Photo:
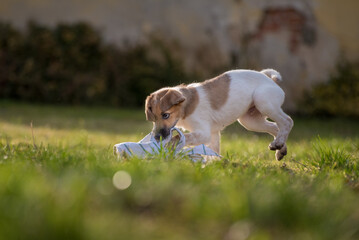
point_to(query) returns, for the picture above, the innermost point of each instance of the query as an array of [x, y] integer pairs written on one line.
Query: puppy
[[204, 109]]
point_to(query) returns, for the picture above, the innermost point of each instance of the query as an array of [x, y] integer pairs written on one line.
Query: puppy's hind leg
[[268, 101], [253, 120], [285, 124]]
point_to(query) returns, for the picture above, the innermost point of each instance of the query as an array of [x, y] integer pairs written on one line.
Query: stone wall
[[302, 39]]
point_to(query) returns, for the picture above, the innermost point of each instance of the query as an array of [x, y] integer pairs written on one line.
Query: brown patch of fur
[[152, 107], [217, 90], [171, 98], [192, 100], [150, 116]]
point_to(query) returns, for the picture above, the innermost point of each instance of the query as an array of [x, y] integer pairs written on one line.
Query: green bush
[[71, 64], [338, 97]]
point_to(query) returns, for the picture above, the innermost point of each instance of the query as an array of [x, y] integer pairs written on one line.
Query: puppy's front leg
[[192, 139], [197, 138]]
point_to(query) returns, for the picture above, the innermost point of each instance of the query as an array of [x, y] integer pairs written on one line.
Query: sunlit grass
[[60, 182]]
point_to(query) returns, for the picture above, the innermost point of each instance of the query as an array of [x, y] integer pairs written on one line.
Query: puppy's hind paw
[[279, 154], [275, 146]]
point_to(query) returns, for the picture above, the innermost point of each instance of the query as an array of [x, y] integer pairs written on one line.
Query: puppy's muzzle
[[163, 132]]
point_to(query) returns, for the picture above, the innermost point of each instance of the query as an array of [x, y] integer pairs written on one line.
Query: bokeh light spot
[[122, 180]]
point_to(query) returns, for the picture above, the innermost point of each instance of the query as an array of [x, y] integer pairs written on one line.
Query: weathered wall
[[303, 39]]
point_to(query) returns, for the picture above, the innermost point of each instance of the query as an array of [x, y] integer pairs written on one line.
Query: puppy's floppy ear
[[148, 110], [171, 98]]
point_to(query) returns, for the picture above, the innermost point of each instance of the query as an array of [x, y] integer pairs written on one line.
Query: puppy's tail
[[273, 74]]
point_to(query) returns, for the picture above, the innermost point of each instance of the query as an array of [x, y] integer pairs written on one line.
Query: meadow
[[57, 180]]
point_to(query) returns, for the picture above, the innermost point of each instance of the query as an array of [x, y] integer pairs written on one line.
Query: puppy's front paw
[[173, 142]]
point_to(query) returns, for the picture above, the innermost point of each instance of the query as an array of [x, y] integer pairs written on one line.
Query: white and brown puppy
[[206, 108]]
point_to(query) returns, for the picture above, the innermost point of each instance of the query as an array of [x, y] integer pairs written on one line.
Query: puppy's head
[[164, 109]]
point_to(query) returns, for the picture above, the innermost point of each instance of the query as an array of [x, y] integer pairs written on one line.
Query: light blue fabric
[[149, 145]]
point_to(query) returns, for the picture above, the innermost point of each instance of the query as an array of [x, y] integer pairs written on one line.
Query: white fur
[[253, 96]]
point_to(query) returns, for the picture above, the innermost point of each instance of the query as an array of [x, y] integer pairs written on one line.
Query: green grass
[[59, 185]]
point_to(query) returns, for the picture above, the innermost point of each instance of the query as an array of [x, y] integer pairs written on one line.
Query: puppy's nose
[[157, 136], [164, 133]]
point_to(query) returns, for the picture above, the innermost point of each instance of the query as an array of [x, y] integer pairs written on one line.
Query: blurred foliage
[[71, 64], [337, 97]]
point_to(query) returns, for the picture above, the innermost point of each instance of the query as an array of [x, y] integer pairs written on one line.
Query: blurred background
[[115, 52]]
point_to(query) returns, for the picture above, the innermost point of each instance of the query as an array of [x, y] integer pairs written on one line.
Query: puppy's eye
[[165, 115]]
